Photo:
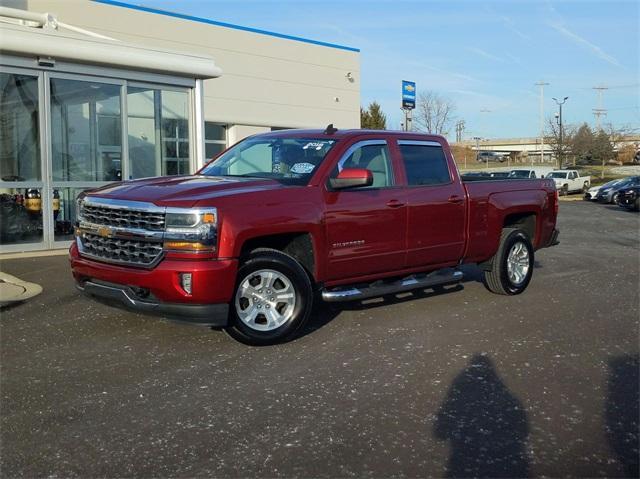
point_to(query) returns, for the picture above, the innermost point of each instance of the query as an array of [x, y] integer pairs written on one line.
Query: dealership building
[[92, 92]]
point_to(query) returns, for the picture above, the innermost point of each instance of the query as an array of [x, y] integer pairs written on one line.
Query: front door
[[366, 226]]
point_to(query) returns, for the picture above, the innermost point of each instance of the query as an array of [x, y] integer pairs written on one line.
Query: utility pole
[[484, 110], [459, 131], [561, 136], [541, 84], [598, 112]]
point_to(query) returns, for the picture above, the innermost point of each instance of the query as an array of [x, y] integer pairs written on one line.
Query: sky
[[480, 55]]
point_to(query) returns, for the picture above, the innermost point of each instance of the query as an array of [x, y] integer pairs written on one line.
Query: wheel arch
[[297, 244]]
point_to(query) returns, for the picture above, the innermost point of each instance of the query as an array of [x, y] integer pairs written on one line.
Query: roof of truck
[[349, 133]]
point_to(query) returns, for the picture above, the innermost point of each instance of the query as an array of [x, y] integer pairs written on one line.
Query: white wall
[[267, 81]]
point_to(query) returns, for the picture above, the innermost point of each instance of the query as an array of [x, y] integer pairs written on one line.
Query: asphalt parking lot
[[456, 383]]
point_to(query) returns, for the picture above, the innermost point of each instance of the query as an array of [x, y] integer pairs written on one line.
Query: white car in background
[[591, 193], [533, 172], [569, 181]]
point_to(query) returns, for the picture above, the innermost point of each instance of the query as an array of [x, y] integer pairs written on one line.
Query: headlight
[[191, 230], [79, 207]]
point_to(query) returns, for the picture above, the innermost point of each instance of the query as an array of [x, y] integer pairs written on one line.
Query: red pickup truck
[[283, 219]]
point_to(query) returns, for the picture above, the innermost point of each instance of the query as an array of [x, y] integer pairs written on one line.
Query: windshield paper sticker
[[303, 168], [316, 145]]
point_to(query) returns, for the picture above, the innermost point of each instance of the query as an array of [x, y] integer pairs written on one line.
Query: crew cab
[[570, 181], [284, 219]]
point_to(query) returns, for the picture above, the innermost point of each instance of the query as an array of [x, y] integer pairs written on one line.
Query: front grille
[[135, 253], [123, 218]]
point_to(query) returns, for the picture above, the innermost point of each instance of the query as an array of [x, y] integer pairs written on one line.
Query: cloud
[[512, 26], [595, 49], [485, 54]]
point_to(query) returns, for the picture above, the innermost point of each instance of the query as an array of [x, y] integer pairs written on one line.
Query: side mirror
[[352, 178]]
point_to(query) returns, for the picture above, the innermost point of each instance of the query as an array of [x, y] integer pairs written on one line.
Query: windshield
[[557, 174], [291, 161], [519, 174]]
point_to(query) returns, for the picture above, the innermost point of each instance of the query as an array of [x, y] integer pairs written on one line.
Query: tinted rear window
[[425, 165]]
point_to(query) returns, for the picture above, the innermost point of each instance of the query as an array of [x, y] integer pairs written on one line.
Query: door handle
[[395, 204], [455, 199]]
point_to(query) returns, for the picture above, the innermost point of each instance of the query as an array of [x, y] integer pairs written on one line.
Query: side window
[[425, 164], [574, 175], [375, 158]]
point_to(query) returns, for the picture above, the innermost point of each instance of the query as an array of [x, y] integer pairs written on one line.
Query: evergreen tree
[[582, 143], [373, 118]]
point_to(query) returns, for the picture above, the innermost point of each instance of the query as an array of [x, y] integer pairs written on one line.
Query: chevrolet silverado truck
[[284, 219], [570, 181]]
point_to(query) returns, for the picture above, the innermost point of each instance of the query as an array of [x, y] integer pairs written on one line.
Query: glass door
[[22, 220], [86, 125], [61, 134]]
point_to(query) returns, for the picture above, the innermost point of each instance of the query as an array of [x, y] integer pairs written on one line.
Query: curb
[[13, 290]]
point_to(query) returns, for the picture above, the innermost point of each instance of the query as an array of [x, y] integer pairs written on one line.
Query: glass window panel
[[375, 158], [19, 128], [86, 146], [171, 167], [213, 131], [20, 215], [212, 149], [64, 212], [170, 149], [425, 165], [183, 149], [158, 122], [109, 130]]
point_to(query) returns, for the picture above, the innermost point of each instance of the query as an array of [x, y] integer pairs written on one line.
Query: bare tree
[[434, 113], [560, 144]]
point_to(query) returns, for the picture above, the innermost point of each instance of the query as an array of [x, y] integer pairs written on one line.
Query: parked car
[[499, 174], [609, 192], [569, 181], [533, 172], [491, 156], [629, 197], [286, 217], [591, 193], [475, 174]]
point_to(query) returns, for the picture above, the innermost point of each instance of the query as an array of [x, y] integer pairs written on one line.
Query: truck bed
[[489, 198]]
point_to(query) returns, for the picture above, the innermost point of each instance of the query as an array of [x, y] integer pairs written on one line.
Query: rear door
[[436, 205], [366, 226]]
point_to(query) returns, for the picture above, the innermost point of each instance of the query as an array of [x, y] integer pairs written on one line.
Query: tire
[[585, 187], [500, 279], [256, 317], [564, 191], [637, 205], [614, 199]]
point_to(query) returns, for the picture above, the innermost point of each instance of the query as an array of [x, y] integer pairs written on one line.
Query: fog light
[[185, 282]]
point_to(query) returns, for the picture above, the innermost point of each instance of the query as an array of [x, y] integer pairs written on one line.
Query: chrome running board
[[382, 288]]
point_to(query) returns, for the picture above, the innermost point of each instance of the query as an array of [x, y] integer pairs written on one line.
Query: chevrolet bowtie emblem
[[105, 232]]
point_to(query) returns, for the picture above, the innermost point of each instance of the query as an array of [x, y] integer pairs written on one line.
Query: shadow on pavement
[[485, 424], [622, 410]]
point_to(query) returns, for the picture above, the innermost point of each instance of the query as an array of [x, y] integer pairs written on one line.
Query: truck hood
[[183, 191]]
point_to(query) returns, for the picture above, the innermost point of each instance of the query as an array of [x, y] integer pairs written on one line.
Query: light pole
[[561, 135], [541, 84]]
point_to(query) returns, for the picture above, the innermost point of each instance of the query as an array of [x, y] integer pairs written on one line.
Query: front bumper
[[159, 290], [209, 314]]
